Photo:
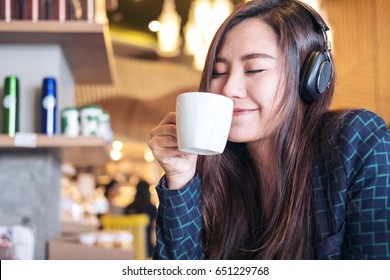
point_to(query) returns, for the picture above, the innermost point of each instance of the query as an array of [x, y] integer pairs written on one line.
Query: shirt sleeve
[[179, 222], [366, 159]]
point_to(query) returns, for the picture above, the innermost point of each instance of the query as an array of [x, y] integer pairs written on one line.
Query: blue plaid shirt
[[351, 191]]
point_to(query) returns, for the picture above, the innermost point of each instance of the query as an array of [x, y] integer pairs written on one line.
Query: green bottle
[[11, 106]]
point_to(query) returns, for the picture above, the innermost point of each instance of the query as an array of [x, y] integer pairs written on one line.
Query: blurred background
[[150, 51]]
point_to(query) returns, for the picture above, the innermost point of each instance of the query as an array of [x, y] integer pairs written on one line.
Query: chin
[[250, 138], [238, 139]]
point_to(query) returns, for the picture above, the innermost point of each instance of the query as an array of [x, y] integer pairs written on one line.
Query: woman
[[296, 180]]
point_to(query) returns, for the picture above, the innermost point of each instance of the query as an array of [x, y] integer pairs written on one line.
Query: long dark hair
[[245, 217]]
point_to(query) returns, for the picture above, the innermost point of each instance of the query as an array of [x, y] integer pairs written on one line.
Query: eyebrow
[[248, 57]]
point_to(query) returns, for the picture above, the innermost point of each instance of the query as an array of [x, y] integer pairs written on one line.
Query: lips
[[243, 111]]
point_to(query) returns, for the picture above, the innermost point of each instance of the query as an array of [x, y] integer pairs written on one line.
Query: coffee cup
[[203, 122]]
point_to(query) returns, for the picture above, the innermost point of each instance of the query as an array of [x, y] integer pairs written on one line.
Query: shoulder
[[362, 129], [364, 123], [352, 130], [364, 142]]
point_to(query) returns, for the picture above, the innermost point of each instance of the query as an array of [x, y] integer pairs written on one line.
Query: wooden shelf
[[87, 46], [80, 151]]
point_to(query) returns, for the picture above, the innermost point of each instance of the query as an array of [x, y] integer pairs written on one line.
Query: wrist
[[178, 182]]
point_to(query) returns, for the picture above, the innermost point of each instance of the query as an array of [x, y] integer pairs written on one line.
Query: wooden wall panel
[[383, 57], [361, 39]]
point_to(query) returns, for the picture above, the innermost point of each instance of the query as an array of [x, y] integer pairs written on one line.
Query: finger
[[164, 155], [163, 129], [166, 141], [170, 118]]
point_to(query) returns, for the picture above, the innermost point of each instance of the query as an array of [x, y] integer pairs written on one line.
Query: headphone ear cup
[[315, 76]]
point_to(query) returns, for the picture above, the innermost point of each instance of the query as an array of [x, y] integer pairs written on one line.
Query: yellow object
[[136, 224]]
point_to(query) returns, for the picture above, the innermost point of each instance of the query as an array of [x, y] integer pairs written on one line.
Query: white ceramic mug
[[203, 122]]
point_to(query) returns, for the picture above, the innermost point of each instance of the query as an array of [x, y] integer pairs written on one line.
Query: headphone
[[317, 69]]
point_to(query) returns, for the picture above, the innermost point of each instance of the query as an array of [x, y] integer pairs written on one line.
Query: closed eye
[[254, 71], [218, 74]]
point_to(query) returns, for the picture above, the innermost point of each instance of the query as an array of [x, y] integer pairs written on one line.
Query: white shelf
[[79, 151]]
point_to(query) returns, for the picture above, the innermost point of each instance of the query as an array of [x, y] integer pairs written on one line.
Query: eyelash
[[217, 75], [254, 71], [250, 72]]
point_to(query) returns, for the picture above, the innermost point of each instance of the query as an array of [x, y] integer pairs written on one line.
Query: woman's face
[[248, 71]]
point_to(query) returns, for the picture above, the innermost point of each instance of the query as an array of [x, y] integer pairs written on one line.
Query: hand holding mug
[[179, 167], [200, 126], [203, 122]]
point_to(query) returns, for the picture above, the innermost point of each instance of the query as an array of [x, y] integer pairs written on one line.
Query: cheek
[[216, 86], [264, 95], [265, 91]]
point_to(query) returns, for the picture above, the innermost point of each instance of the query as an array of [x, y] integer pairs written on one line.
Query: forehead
[[251, 36]]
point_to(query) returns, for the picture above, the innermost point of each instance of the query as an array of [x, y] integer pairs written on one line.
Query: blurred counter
[[70, 248], [69, 227]]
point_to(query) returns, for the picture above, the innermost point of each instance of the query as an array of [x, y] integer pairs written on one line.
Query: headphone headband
[[314, 15]]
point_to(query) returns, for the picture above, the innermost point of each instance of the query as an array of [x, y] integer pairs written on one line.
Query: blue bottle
[[48, 106]]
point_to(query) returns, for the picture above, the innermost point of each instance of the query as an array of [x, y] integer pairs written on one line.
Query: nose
[[234, 86]]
